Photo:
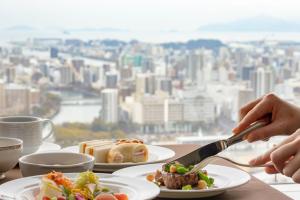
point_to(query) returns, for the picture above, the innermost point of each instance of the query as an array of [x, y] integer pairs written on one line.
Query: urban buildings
[[110, 108], [155, 88]]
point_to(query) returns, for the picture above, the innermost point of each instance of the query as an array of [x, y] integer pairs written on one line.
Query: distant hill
[[105, 29], [112, 42], [195, 44], [20, 28], [255, 24]]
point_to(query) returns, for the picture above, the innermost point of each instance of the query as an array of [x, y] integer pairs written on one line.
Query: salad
[[56, 186], [176, 176]]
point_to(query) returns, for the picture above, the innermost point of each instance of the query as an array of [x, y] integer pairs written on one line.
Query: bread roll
[[99, 152], [127, 152], [84, 145]]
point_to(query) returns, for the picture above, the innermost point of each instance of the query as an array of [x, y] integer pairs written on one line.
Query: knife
[[214, 148]]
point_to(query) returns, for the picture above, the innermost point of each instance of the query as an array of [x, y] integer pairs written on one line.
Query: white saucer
[[225, 178], [156, 154], [136, 189], [48, 146]]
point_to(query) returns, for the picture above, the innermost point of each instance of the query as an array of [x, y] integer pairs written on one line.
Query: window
[[163, 71]]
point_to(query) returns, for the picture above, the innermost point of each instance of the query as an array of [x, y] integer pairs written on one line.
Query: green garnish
[[209, 181], [191, 167], [85, 178], [53, 198], [187, 187], [71, 197], [66, 192], [105, 190], [167, 167], [181, 170]]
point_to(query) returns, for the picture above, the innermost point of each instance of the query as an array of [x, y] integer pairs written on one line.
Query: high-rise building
[[198, 108], [173, 111], [10, 74], [246, 72], [195, 63], [17, 98], [111, 80], [149, 110], [240, 59], [87, 77], [44, 69], [145, 84], [110, 110], [166, 85], [53, 52], [262, 81], [78, 64], [66, 76]]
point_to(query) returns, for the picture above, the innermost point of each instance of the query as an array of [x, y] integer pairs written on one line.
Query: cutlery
[[214, 148], [208, 160], [6, 197]]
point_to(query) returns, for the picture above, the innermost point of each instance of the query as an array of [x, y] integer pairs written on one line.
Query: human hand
[[285, 158], [285, 117]]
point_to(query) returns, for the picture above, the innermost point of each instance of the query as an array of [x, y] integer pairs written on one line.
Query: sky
[[181, 15]]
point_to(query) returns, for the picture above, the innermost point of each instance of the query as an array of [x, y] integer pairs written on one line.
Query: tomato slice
[[121, 196]]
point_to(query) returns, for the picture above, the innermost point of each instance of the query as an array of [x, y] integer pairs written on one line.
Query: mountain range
[[255, 24]]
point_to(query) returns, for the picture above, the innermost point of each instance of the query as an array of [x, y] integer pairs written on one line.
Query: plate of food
[[78, 186], [114, 155], [176, 182]]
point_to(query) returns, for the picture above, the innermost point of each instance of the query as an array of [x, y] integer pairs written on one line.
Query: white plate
[[156, 154], [136, 189], [48, 146], [225, 178]]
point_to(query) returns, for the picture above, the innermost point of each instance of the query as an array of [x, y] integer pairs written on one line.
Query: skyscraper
[[262, 81], [66, 76], [111, 80], [110, 106], [53, 52], [145, 84]]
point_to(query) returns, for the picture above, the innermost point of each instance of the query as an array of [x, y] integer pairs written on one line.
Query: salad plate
[[28, 188], [156, 154], [225, 178]]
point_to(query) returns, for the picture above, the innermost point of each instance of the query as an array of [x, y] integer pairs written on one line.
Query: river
[[77, 108]]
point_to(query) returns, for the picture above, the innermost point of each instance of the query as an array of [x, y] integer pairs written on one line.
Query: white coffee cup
[[32, 130]]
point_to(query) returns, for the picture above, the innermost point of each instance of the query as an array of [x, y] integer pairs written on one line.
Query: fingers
[[262, 159], [292, 166], [245, 109], [271, 170], [264, 132], [296, 176], [260, 110], [283, 154]]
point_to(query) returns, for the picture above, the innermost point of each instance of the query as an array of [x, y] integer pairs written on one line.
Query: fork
[[6, 197], [206, 161]]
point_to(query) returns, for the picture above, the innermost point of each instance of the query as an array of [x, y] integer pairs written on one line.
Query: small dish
[[225, 178], [28, 187], [10, 152], [156, 154], [66, 162]]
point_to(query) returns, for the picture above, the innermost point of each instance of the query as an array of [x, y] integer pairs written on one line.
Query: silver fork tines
[[208, 160]]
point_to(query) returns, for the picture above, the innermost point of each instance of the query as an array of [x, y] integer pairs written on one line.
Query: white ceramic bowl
[[66, 162], [10, 152]]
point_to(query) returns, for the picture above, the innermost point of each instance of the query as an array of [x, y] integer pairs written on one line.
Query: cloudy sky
[[139, 14]]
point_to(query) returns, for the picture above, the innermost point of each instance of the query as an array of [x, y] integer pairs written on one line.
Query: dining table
[[255, 189]]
